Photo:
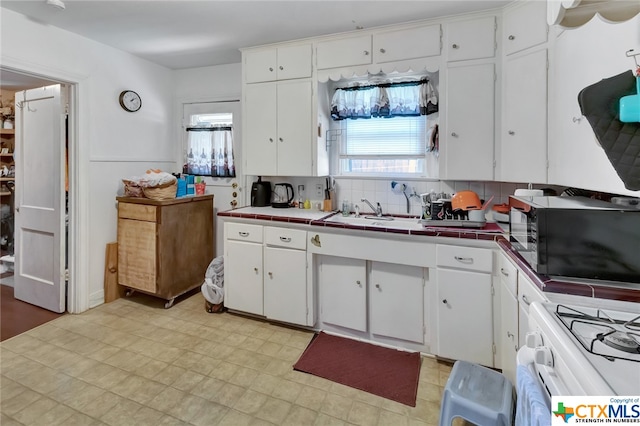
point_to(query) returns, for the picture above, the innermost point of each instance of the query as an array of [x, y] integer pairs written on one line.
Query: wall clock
[[130, 101]]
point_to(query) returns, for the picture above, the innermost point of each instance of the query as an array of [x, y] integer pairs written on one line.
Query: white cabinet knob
[[511, 132], [271, 140], [255, 270], [382, 51], [358, 283], [378, 286], [281, 68], [366, 53], [454, 134], [511, 37], [281, 140], [455, 46], [270, 69]]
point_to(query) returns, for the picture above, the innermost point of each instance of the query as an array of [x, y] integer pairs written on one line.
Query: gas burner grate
[[607, 331]]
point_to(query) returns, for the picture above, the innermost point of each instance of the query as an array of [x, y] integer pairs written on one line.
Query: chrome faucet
[[377, 210]]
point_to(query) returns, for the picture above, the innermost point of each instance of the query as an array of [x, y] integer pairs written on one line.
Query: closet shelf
[[7, 179], [7, 131]]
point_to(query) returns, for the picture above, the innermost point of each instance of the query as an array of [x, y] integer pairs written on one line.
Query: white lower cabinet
[[343, 293], [528, 292], [243, 268], [266, 272], [397, 301], [508, 334], [464, 304]]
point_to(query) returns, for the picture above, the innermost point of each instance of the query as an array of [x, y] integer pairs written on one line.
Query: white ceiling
[[187, 34]]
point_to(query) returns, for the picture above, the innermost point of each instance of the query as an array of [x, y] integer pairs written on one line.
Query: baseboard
[[96, 299]]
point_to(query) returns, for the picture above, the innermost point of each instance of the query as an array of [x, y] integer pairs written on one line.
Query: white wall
[[112, 143]]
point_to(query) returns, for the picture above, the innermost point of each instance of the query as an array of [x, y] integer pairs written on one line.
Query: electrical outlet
[[319, 190]]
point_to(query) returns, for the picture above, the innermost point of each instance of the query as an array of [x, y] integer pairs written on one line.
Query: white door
[[40, 210], [285, 285], [226, 191], [343, 292], [243, 277]]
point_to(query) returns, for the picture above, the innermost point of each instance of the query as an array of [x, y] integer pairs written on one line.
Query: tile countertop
[[491, 231], [627, 292]]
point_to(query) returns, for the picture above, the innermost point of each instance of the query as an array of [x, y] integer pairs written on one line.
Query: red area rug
[[385, 372]]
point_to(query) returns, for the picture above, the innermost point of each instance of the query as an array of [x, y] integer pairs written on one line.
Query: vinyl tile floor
[[132, 362]]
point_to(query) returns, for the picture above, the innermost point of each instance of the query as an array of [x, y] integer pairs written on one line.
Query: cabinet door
[[260, 65], [243, 277], [343, 292], [524, 138], [285, 285], [259, 138], [295, 153], [137, 254], [397, 301], [344, 52], [465, 324], [406, 44], [525, 26], [473, 39], [294, 62], [528, 292], [509, 331], [468, 142]]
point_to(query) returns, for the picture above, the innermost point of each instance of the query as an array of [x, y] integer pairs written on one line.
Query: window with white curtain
[[384, 129], [210, 145]]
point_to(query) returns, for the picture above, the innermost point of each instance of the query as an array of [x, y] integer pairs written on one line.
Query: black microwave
[[577, 237]]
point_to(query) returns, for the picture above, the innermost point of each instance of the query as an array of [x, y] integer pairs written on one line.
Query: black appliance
[[282, 195], [577, 237], [260, 193]]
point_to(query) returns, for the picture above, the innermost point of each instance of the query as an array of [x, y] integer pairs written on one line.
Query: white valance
[[575, 13], [422, 65]]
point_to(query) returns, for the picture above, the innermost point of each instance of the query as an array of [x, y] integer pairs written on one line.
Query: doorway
[[12, 82]]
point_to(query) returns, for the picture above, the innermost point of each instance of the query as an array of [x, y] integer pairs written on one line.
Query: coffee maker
[[260, 193]]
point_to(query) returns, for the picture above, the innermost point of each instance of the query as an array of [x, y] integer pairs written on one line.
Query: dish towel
[[531, 407]]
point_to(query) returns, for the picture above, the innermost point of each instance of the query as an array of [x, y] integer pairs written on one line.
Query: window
[[383, 146], [383, 129]]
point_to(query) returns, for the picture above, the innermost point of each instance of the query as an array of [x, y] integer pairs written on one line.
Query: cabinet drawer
[[243, 232], [470, 258], [283, 237], [508, 273], [528, 292], [473, 39], [137, 212]]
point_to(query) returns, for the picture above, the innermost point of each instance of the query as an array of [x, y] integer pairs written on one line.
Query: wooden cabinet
[[467, 146], [524, 137], [164, 247], [508, 334], [243, 268], [343, 292], [280, 63], [403, 44], [464, 304], [397, 301], [344, 52], [525, 25], [471, 39], [278, 129], [285, 275]]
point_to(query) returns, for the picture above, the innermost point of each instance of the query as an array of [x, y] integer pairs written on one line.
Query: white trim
[[96, 299], [78, 245]]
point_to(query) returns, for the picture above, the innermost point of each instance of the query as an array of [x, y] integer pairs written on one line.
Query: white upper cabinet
[[525, 26], [471, 39], [524, 138], [344, 52], [467, 145], [399, 45], [279, 63]]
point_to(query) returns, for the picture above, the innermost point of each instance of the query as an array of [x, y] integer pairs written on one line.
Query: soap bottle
[[307, 204]]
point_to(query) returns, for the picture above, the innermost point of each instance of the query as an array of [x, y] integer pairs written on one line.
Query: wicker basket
[[132, 189], [165, 191]]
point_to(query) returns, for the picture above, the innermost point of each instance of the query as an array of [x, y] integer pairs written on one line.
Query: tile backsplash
[[380, 191]]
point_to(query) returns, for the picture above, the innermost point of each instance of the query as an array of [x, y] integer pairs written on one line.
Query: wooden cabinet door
[[525, 26], [294, 118], [397, 301], [468, 142], [465, 316], [243, 277], [343, 292], [260, 65], [294, 62], [137, 254], [405, 44], [524, 136], [260, 132], [471, 39], [285, 285], [344, 52], [508, 339]]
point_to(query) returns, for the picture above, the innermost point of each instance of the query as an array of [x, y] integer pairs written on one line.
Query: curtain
[[210, 151], [385, 100]]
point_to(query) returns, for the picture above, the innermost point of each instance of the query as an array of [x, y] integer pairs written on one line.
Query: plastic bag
[[213, 286]]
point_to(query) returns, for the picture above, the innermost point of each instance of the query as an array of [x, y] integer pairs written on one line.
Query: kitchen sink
[[410, 224]]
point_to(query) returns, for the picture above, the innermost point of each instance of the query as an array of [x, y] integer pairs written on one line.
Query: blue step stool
[[477, 394]]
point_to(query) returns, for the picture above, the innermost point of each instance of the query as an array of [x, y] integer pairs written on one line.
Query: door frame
[[78, 244]]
